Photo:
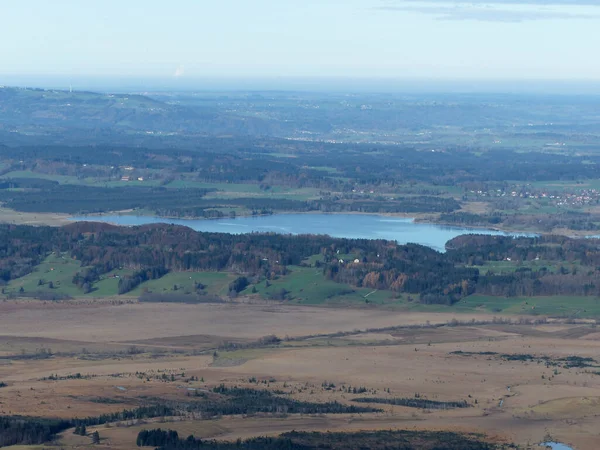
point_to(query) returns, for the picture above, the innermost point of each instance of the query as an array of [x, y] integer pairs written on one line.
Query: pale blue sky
[[443, 39]]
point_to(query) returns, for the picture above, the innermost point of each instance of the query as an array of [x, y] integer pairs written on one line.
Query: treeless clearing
[[105, 322], [24, 218], [476, 207], [511, 400]]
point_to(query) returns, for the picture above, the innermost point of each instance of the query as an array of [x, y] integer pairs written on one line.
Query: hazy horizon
[[305, 84]]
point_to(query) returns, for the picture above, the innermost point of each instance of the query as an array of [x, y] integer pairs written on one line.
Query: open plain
[[521, 381]]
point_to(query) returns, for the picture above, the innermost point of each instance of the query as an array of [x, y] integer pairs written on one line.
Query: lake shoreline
[[60, 219], [421, 218], [412, 218], [350, 226]]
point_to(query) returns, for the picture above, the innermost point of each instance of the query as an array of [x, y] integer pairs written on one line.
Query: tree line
[[373, 440]]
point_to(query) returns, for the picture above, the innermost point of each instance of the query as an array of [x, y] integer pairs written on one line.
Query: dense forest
[[572, 220], [373, 440], [568, 266], [414, 402], [142, 412], [29, 431], [237, 400]]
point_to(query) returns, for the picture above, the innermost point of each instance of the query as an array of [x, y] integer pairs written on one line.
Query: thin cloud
[[486, 14]]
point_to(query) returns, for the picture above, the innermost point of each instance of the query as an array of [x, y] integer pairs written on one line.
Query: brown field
[[24, 218], [512, 401]]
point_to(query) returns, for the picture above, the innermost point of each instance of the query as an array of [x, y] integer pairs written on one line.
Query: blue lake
[[361, 226]]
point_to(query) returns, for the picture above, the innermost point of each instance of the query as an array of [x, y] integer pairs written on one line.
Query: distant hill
[[178, 119], [26, 110]]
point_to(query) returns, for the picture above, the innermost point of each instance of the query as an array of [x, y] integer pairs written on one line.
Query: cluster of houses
[[575, 197], [130, 177]]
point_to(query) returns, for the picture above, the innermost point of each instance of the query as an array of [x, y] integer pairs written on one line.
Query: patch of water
[[555, 446]]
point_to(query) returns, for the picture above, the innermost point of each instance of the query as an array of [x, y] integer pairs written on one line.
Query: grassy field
[[303, 285], [88, 181], [227, 187], [240, 190], [56, 269], [308, 286], [512, 266], [62, 179], [325, 169], [300, 194], [108, 286], [119, 183], [223, 190], [55, 274], [544, 305], [558, 185], [217, 283]]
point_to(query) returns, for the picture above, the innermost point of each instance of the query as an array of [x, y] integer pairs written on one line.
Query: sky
[[398, 39]]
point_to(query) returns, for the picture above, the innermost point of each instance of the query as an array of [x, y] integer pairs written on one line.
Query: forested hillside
[[473, 263]]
